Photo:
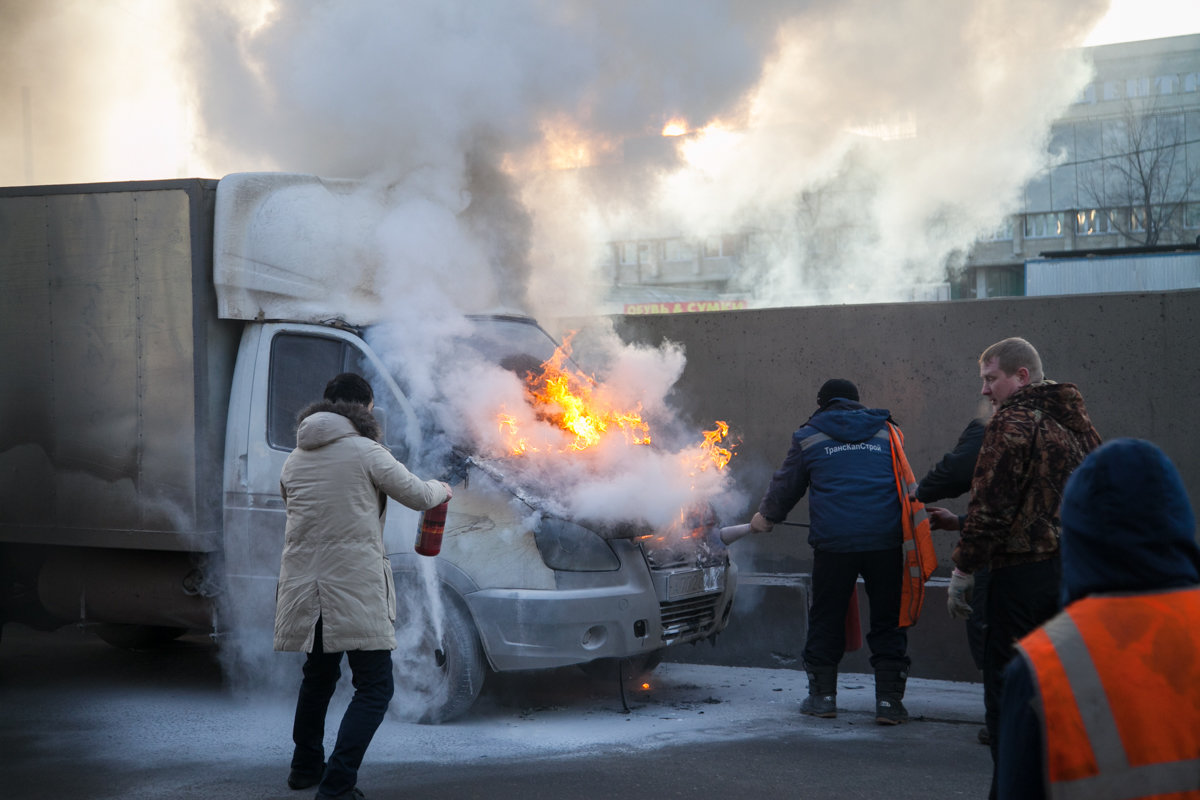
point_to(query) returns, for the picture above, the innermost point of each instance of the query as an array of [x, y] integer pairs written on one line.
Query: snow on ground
[[533, 715], [685, 703]]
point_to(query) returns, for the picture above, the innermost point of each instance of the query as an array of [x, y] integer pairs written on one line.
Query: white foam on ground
[[559, 713]]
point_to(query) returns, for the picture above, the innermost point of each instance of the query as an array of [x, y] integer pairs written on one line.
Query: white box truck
[[146, 412]]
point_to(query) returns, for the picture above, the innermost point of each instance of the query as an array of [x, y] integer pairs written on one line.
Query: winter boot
[[889, 691], [822, 692]]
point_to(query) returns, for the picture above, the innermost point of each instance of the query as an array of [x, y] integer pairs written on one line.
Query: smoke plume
[[535, 125]]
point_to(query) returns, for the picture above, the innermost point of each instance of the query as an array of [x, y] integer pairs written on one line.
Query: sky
[[164, 149], [1134, 20]]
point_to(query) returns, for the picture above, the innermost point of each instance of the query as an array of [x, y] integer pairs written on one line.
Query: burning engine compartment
[[577, 534], [572, 431]]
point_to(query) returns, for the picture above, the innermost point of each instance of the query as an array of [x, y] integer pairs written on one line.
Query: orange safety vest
[[1119, 683], [920, 559]]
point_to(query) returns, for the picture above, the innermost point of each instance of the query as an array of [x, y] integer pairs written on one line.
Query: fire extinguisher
[[429, 532]]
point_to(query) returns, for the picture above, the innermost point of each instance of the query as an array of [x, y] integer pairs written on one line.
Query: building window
[[1004, 233], [1191, 216], [1135, 218], [1092, 222], [678, 250], [628, 251], [1043, 226], [644, 253], [1137, 87]]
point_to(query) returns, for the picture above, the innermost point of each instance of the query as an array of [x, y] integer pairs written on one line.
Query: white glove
[[958, 600]]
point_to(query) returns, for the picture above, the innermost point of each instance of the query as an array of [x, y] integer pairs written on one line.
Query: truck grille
[[690, 618]]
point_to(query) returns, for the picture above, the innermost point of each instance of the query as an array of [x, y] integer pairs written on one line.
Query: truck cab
[[515, 587], [521, 583]]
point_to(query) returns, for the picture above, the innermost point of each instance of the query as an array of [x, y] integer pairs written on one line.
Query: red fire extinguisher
[[854, 639], [429, 532]]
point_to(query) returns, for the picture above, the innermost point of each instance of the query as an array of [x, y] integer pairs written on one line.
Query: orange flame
[[715, 454], [568, 400], [517, 443], [577, 404]]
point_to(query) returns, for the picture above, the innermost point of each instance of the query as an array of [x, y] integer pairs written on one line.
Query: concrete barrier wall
[[1135, 357]]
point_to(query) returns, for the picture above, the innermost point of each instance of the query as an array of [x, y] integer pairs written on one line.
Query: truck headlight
[[573, 548]]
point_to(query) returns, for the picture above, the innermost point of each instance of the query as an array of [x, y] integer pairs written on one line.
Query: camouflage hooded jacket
[[1035, 440]]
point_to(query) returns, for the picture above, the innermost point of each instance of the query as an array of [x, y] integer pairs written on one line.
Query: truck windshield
[[515, 343]]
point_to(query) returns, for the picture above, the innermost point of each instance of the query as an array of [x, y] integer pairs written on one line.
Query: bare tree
[[1141, 177]]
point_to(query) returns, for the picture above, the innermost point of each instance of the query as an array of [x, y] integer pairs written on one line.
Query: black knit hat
[[349, 387], [835, 388]]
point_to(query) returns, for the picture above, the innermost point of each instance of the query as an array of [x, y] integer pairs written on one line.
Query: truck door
[[283, 369]]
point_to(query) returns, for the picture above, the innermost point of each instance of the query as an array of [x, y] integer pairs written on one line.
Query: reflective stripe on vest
[[1140, 736]]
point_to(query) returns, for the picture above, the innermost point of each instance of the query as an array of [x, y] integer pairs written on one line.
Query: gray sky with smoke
[[914, 126], [502, 144]]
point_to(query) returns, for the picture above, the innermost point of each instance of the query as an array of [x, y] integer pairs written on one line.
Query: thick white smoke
[[910, 133], [503, 140], [909, 130]]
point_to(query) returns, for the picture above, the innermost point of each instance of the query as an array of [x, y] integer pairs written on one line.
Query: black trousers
[[1019, 599], [833, 584], [371, 673], [977, 623]]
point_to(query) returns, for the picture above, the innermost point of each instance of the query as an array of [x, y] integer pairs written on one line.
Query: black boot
[[822, 692], [889, 691]]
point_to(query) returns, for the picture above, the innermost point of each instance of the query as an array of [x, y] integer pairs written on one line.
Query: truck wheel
[[137, 637], [438, 678]]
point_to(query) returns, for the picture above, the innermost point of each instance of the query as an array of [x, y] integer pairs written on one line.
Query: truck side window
[[300, 368], [391, 418], [301, 365]]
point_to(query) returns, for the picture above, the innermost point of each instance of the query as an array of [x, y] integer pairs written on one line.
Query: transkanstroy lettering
[[874, 448]]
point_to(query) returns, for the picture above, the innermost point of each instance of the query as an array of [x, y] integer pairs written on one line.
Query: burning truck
[[159, 339], [526, 572]]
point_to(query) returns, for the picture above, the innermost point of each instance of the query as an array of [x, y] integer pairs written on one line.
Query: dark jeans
[[371, 673], [833, 584], [977, 622], [1019, 599]]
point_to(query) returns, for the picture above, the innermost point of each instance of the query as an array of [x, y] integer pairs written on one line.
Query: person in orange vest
[[849, 459], [1104, 699]]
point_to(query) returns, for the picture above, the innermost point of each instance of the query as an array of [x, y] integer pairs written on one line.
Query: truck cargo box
[[114, 369]]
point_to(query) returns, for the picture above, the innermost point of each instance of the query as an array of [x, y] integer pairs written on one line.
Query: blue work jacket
[[843, 456]]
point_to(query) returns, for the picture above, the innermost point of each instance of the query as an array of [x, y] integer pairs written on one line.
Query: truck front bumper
[[626, 612]]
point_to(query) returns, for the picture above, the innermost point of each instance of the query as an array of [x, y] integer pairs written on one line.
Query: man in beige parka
[[335, 592]]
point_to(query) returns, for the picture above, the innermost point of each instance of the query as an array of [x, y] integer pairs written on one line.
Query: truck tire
[[439, 678], [138, 637]]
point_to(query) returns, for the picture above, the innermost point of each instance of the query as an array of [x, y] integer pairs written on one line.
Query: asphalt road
[[81, 719]]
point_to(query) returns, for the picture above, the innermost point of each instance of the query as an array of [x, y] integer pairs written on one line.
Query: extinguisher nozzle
[[732, 533]]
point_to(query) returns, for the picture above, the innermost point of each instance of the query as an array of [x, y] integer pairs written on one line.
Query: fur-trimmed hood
[[325, 422]]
